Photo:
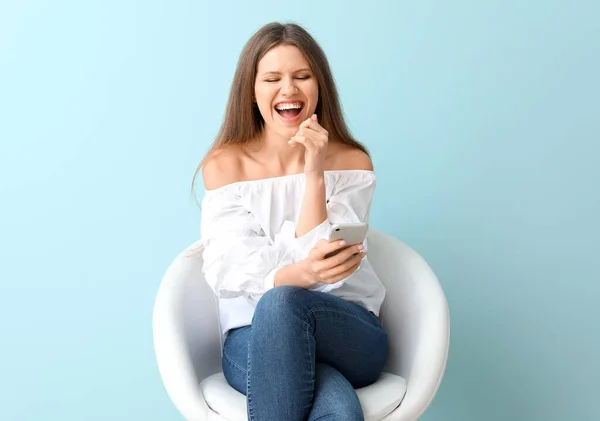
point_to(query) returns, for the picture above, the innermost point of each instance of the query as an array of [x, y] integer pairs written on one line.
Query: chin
[[287, 134], [288, 131]]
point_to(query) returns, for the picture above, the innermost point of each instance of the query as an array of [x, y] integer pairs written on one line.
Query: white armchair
[[415, 315]]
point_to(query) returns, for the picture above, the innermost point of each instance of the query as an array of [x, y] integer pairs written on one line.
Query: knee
[[279, 301]]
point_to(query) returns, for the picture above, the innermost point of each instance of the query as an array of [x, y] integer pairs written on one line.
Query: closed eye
[[277, 80]]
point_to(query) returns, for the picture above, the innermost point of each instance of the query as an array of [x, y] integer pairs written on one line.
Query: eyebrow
[[278, 73]]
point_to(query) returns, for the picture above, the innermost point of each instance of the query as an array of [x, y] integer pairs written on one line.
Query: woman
[[301, 329]]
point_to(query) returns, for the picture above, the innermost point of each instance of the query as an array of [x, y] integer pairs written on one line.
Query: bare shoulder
[[222, 167], [347, 157]]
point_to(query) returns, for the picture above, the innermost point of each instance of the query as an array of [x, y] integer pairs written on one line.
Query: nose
[[289, 87]]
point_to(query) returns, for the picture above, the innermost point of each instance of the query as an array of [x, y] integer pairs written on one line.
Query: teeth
[[295, 106]]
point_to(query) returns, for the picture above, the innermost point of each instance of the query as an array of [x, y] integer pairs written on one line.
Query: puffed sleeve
[[350, 201], [239, 259]]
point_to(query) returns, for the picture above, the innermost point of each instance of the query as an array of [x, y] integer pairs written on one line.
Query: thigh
[[235, 358], [334, 396], [347, 337]]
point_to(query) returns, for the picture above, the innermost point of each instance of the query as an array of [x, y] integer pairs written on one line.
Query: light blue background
[[483, 121]]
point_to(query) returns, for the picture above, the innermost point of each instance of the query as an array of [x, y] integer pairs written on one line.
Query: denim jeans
[[303, 356]]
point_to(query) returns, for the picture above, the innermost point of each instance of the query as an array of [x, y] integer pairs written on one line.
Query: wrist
[[303, 274], [294, 275], [315, 176]]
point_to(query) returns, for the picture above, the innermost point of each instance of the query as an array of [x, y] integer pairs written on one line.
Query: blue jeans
[[303, 356]]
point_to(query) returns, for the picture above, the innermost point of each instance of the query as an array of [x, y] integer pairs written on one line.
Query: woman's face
[[286, 90]]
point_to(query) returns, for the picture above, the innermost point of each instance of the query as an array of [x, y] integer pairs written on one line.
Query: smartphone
[[351, 233]]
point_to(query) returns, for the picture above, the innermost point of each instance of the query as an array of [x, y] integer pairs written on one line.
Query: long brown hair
[[243, 121]]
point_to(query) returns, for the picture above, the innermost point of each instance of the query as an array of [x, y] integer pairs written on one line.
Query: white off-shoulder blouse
[[248, 233]]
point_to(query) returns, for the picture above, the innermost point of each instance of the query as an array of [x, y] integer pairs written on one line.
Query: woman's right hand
[[318, 267], [315, 139]]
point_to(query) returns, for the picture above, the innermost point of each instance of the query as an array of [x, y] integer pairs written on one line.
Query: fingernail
[[360, 247], [342, 243]]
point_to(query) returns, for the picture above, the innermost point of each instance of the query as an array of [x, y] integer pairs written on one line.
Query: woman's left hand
[[315, 139]]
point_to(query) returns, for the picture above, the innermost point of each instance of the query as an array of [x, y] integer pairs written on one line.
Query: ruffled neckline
[[282, 178]]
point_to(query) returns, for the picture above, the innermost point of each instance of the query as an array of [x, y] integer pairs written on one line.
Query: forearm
[[313, 211]]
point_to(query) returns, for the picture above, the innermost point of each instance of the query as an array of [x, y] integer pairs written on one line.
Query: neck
[[276, 151]]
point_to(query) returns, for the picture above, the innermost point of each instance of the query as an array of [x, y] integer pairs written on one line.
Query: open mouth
[[289, 110]]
